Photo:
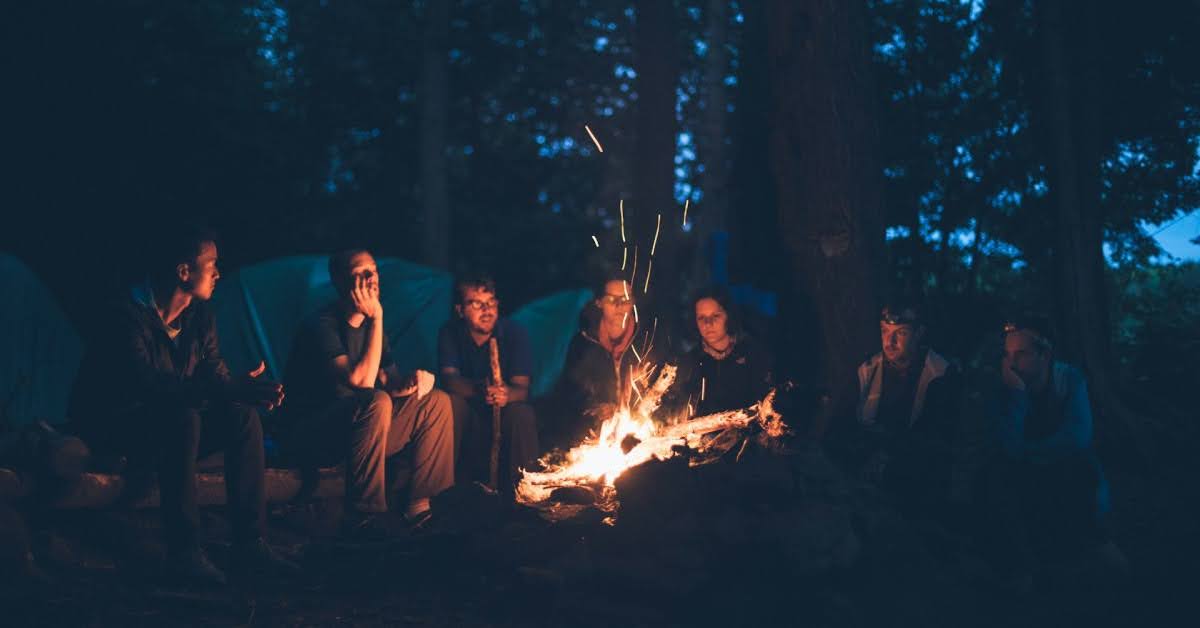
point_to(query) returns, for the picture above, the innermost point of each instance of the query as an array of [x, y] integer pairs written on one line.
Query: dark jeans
[[473, 439], [363, 430], [170, 440], [1039, 511], [918, 474]]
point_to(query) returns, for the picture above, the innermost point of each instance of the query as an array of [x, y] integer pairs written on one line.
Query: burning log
[[763, 412], [598, 461], [653, 397]]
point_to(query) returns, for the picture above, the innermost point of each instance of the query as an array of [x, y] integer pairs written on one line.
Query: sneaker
[[258, 557], [193, 566]]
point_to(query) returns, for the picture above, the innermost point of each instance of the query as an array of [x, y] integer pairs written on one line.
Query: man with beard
[[154, 388], [901, 430], [465, 365]]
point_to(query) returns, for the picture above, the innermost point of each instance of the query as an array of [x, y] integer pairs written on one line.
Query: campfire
[[586, 475], [629, 438]]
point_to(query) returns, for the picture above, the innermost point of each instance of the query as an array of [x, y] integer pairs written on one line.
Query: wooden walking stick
[[497, 380]]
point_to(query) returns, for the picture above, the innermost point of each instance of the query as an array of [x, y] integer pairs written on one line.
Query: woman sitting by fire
[[601, 359], [727, 370]]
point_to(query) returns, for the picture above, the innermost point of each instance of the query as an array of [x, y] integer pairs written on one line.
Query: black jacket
[[737, 381], [132, 363]]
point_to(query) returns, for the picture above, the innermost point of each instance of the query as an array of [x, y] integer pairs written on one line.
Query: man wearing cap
[[1046, 491], [908, 405]]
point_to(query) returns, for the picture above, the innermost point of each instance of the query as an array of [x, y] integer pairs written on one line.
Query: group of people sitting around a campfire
[[155, 390]]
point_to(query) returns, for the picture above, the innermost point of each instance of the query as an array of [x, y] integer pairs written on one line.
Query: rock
[[573, 495]]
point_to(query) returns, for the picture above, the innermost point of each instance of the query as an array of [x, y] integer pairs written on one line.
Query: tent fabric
[[260, 307], [551, 322], [41, 351]]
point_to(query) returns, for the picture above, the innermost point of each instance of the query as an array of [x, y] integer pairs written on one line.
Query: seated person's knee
[[373, 404], [438, 400]]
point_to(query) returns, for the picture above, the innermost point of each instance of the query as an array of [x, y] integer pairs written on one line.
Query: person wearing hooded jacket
[[600, 362]]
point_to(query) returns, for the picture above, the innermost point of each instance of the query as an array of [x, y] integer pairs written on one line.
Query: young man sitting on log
[[349, 396], [902, 427], [154, 388], [465, 364]]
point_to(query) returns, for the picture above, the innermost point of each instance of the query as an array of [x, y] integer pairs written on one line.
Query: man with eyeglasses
[[465, 364], [1046, 492], [352, 403], [909, 403]]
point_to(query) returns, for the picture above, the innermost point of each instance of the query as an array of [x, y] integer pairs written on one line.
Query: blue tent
[[41, 349]]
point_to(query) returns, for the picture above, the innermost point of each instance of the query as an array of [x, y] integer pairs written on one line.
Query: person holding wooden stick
[[478, 392]]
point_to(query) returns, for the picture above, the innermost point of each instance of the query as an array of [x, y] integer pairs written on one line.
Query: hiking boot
[[192, 566], [420, 521], [369, 527], [258, 557]]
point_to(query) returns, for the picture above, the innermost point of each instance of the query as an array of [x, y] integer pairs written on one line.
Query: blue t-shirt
[[457, 350]]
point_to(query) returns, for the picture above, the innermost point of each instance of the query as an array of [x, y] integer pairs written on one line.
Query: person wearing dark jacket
[[728, 370], [154, 388], [601, 362], [907, 406]]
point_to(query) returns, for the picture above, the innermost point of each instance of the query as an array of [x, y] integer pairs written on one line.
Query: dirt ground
[[487, 564]]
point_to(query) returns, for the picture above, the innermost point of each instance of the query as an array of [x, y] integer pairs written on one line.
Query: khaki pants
[[370, 426]]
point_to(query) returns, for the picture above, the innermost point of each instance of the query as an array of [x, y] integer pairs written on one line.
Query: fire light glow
[[630, 437]]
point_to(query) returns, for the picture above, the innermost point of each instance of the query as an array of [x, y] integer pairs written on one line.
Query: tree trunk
[[711, 141], [434, 94], [656, 60], [1071, 119], [827, 175]]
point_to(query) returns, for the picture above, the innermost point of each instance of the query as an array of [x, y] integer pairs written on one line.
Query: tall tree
[[713, 134], [656, 60], [827, 174], [434, 95], [1070, 121]]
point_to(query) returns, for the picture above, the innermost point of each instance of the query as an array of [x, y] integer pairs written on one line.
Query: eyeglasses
[[616, 299], [475, 305]]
